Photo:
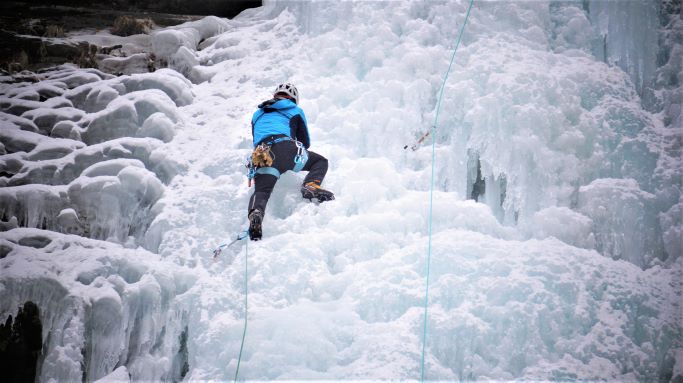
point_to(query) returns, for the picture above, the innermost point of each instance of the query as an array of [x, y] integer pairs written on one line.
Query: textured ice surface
[[177, 45], [67, 168], [102, 305], [566, 265], [624, 220], [81, 125], [626, 35], [112, 200], [126, 116]]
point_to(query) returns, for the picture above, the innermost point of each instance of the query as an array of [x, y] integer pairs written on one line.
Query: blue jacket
[[279, 116]]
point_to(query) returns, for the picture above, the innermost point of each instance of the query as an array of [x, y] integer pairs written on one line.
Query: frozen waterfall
[[558, 216]]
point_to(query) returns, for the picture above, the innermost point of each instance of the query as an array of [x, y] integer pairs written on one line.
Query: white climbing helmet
[[288, 89]]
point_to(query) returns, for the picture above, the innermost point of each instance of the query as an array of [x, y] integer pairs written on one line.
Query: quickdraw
[[301, 157], [420, 140], [217, 251]]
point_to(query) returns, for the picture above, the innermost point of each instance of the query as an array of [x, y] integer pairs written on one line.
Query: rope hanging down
[[246, 295], [216, 253], [431, 191]]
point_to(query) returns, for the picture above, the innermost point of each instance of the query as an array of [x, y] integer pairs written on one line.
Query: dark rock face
[[30, 29], [21, 345], [26, 50], [221, 8]]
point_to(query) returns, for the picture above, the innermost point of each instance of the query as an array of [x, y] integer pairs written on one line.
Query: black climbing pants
[[283, 160]]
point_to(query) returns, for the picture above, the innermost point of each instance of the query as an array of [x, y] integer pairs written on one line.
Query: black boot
[[255, 220], [313, 190]]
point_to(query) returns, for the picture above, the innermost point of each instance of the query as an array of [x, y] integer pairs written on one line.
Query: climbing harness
[[254, 168], [431, 189]]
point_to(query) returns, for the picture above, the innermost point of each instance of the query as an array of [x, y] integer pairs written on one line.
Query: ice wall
[[544, 278], [627, 36], [82, 153], [542, 115], [98, 141], [557, 220], [643, 39], [101, 306]]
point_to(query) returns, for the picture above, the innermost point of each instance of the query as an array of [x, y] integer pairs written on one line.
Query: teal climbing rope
[[431, 191], [246, 296]]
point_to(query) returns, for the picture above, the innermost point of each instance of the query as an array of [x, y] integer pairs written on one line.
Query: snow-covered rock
[[177, 45]]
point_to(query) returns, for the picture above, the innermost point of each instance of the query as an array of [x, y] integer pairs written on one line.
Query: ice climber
[[281, 141]]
